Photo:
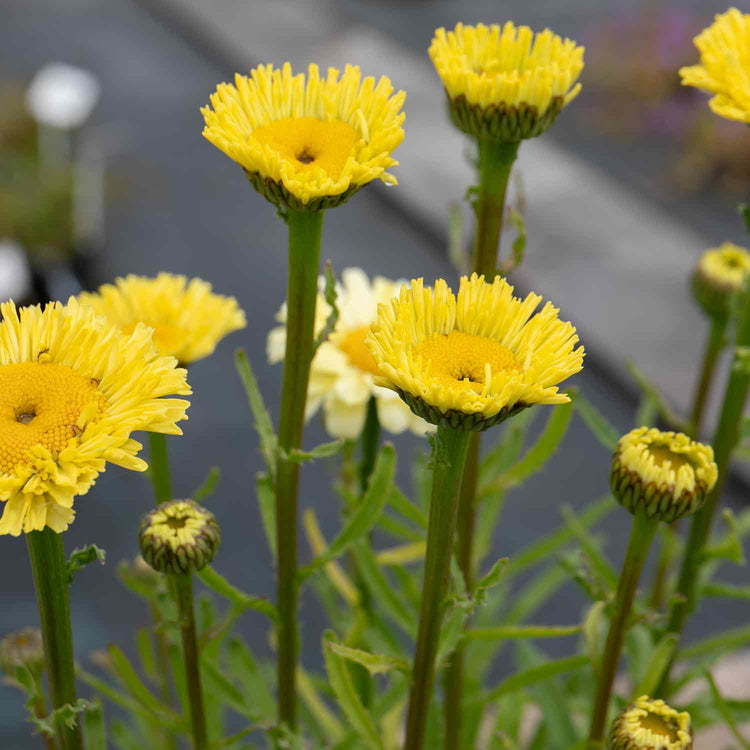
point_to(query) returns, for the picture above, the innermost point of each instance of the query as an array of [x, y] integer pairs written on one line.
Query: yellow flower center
[[353, 345], [661, 454], [168, 339], [659, 725], [308, 142], [43, 404], [460, 357]]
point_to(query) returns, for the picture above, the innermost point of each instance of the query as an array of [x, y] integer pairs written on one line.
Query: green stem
[[305, 229], [161, 647], [641, 537], [725, 440], [40, 707], [159, 468], [495, 165], [449, 456], [713, 348], [370, 439], [183, 586], [49, 567]]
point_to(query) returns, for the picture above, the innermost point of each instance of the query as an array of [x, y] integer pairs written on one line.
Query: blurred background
[[103, 172]]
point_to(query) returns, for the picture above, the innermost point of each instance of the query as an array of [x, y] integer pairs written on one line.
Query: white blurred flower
[[341, 376], [15, 273], [62, 96]]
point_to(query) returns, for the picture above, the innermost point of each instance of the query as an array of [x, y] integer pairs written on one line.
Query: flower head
[[506, 83], [307, 144], [471, 361], [179, 536], [72, 390], [23, 648], [649, 724], [187, 318], [342, 376], [664, 475], [724, 69], [721, 271]]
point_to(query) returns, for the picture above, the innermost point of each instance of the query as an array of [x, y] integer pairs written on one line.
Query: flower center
[[176, 522], [661, 453], [308, 142], [43, 404], [659, 725], [461, 357], [353, 345]]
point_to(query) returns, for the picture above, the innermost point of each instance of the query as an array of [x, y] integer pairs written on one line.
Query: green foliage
[[83, 556], [330, 295]]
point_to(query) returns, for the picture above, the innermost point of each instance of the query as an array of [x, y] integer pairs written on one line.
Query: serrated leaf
[[342, 685], [209, 485], [269, 443], [80, 557], [364, 517], [373, 663], [324, 450], [596, 422], [330, 295]]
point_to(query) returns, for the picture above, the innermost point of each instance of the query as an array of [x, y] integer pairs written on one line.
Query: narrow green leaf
[[263, 425], [145, 646], [373, 663], [660, 658], [590, 547], [267, 506], [648, 411], [330, 295], [535, 675], [216, 582], [245, 670], [594, 633], [341, 682], [80, 557], [209, 485], [488, 581], [652, 392], [515, 632], [218, 684], [324, 450], [365, 515], [535, 593], [639, 649], [717, 645], [399, 530], [401, 504], [596, 422], [507, 449], [94, 729], [743, 209], [730, 546], [330, 727], [726, 714], [725, 590]]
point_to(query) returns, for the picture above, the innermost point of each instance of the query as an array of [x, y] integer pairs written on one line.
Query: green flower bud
[[179, 537], [651, 725], [720, 273]]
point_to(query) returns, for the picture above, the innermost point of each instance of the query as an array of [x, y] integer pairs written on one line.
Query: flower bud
[[22, 648], [179, 537], [662, 475], [720, 273], [651, 725]]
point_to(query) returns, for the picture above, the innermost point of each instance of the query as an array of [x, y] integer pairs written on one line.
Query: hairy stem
[[713, 348]]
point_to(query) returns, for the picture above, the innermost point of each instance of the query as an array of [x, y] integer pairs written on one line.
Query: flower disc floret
[[72, 390], [649, 724], [724, 69], [720, 273], [307, 143], [662, 475], [471, 361], [343, 371], [187, 319], [178, 537], [506, 83]]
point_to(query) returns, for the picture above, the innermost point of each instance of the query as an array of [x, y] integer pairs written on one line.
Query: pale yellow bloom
[[649, 724], [474, 359], [307, 143], [724, 69], [342, 375], [72, 390], [188, 320]]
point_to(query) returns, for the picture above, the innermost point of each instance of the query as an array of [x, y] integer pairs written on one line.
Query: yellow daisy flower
[[342, 375], [72, 389], [664, 475], [308, 144], [188, 320], [473, 360], [721, 271], [724, 69], [506, 84], [649, 724]]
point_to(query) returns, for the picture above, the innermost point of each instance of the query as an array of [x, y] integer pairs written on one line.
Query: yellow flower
[[188, 321], [310, 144], [651, 725], [472, 361], [178, 537], [721, 271], [72, 389], [664, 475], [724, 69], [342, 376], [506, 84]]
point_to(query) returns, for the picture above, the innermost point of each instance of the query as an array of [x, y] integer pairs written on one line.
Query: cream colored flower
[[343, 370]]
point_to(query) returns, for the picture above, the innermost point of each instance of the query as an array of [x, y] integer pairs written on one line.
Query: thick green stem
[[305, 229], [370, 439], [183, 586], [449, 456], [495, 165], [641, 537], [725, 440], [48, 565], [713, 348], [159, 468]]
